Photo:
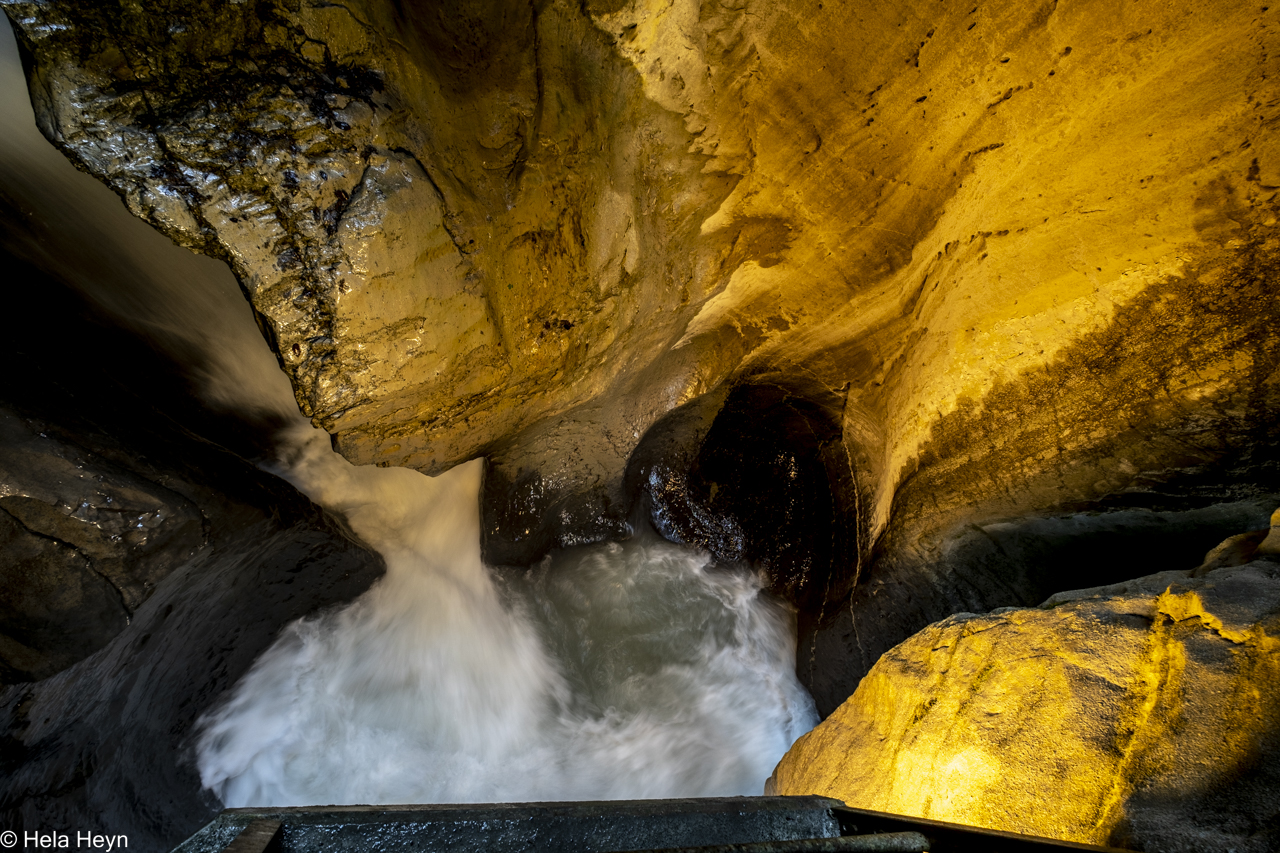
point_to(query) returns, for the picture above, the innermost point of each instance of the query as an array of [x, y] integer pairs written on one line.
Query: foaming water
[[614, 671], [632, 670]]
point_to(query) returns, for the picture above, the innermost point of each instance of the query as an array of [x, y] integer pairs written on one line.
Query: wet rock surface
[[90, 541], [103, 490], [1142, 714], [1014, 562], [106, 743], [56, 609], [769, 484], [435, 213], [1015, 266], [1040, 285]]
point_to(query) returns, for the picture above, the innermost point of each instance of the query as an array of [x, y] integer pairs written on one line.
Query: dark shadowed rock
[[89, 542], [769, 483]]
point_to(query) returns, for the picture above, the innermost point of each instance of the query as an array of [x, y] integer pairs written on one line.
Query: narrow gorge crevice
[[898, 324]]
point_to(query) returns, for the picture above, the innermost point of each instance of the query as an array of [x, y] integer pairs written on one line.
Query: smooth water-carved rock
[[1143, 713], [86, 541], [1029, 250], [443, 248]]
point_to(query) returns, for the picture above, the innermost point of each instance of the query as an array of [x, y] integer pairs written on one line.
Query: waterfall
[[634, 669], [626, 670]]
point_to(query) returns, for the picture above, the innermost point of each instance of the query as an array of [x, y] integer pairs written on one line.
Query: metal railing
[[418, 829]]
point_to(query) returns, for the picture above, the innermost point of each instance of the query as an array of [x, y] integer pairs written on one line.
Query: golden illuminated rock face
[[1142, 713], [452, 223], [1030, 250]]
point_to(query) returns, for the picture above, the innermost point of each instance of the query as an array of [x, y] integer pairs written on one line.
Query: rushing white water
[[623, 670], [616, 671]]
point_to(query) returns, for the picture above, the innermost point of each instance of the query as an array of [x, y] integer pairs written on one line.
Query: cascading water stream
[[632, 670], [623, 670]]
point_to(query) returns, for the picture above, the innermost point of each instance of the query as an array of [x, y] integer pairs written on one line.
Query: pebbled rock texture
[[1143, 715], [1025, 254]]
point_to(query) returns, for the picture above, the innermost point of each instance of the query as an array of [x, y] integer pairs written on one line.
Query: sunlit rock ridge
[[1020, 258]]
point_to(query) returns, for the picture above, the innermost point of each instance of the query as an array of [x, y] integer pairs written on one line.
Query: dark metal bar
[[260, 836], [724, 825], [954, 837], [887, 842]]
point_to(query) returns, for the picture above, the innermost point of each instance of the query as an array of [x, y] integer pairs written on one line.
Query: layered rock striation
[[1019, 260]]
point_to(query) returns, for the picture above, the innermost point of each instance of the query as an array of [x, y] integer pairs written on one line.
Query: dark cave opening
[[770, 485]]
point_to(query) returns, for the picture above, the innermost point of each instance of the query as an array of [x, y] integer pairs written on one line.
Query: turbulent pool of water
[[634, 669], [620, 670]]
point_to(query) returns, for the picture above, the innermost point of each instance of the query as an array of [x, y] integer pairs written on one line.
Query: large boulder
[[1146, 713]]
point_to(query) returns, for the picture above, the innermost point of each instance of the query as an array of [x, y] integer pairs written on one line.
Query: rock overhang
[[1037, 281]]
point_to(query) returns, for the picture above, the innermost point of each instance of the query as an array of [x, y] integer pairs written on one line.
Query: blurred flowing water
[[624, 670]]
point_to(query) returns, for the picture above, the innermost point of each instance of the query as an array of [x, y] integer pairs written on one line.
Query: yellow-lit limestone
[[403, 313], [467, 230], [1134, 713], [969, 190], [928, 207]]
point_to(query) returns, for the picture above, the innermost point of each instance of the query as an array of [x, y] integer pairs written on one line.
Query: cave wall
[[1030, 249], [146, 560], [145, 568]]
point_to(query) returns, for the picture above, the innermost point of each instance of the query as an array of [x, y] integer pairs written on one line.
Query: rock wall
[[144, 562], [105, 744], [144, 569], [85, 542], [1029, 249], [1142, 715]]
